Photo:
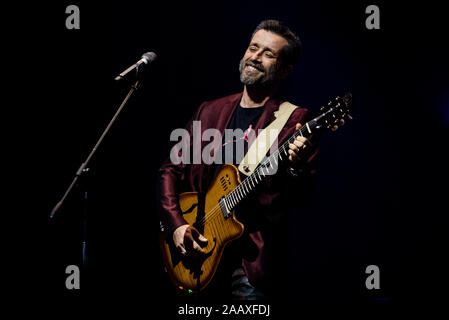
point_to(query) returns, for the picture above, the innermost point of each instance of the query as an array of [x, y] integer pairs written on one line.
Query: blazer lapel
[[267, 116], [227, 111]]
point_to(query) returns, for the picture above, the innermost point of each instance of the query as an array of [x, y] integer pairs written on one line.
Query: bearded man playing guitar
[[251, 267]]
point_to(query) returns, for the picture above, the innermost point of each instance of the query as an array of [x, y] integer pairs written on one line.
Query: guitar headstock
[[335, 111]]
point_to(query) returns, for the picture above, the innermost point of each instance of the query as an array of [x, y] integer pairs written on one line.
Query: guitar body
[[194, 273]]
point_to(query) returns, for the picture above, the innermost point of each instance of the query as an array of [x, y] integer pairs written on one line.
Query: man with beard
[[251, 267]]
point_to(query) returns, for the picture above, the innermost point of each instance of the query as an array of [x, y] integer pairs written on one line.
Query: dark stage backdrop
[[381, 194]]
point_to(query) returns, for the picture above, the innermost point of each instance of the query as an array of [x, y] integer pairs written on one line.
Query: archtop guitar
[[213, 214]]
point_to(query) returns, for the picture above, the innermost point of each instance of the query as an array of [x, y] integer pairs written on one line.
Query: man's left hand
[[300, 144], [297, 147]]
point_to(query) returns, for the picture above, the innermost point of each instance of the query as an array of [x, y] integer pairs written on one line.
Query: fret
[[285, 151], [246, 187], [255, 175], [252, 182], [308, 127], [225, 202]]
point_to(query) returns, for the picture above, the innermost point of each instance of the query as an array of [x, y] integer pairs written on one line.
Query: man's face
[[261, 63]]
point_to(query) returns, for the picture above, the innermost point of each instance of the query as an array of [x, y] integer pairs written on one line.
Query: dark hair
[[292, 51]]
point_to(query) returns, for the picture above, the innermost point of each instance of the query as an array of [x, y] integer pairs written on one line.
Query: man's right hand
[[188, 240]]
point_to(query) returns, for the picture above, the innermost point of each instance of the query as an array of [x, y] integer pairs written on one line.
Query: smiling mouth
[[252, 68]]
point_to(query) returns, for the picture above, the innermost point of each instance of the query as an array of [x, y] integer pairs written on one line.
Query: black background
[[382, 192]]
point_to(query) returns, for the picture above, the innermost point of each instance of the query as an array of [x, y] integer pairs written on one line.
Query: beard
[[261, 77]]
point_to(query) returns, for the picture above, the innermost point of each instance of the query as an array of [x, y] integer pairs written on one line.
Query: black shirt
[[242, 122]]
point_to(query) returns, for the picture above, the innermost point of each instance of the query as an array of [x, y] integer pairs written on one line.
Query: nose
[[256, 56]]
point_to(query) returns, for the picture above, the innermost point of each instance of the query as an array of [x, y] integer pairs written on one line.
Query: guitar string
[[215, 210]]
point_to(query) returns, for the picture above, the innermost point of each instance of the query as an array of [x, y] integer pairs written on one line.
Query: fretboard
[[266, 167]]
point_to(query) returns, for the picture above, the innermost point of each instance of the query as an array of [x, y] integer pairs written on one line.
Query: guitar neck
[[337, 110], [267, 166]]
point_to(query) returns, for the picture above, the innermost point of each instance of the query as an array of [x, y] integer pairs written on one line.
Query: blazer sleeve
[[171, 177]]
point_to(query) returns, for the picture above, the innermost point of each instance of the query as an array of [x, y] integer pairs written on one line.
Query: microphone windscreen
[[149, 57]]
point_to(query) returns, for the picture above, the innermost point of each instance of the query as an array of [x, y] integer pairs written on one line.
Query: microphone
[[147, 58]]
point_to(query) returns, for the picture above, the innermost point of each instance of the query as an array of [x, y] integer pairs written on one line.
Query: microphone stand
[[81, 173]]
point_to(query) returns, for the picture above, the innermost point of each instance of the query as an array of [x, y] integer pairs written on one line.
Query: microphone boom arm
[[83, 166]]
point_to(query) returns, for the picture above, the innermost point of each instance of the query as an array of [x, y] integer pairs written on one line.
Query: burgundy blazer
[[179, 178]]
